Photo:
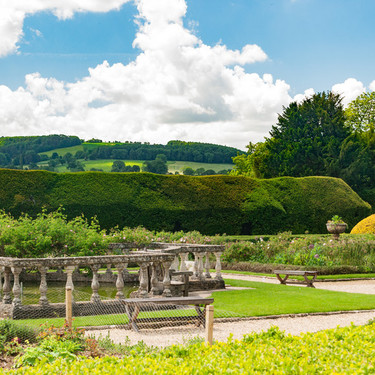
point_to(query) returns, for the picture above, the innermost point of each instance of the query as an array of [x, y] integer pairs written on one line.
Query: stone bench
[[309, 277], [133, 306]]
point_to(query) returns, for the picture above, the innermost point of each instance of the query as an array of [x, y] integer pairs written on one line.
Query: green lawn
[[261, 300], [276, 299]]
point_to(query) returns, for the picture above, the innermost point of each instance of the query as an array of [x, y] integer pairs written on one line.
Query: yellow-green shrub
[[348, 350], [365, 226]]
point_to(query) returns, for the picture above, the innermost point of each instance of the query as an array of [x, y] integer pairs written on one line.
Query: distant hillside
[[215, 204], [18, 151]]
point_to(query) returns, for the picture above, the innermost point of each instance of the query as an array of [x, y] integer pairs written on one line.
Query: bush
[[211, 205], [10, 330], [365, 226]]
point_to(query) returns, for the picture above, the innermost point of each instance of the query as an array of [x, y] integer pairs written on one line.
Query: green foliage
[[309, 251], [9, 330], [361, 112], [50, 234], [211, 205], [341, 350]]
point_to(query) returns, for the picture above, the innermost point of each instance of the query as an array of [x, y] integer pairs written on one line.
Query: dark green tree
[[118, 166], [306, 139]]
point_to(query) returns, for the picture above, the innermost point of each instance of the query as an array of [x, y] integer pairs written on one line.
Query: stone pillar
[[154, 280], [196, 267], [175, 263], [120, 280], [143, 280], [16, 285], [207, 266], [200, 266], [7, 299], [167, 279], [183, 257], [108, 270], [95, 284], [69, 278], [43, 300], [1, 280], [218, 266]]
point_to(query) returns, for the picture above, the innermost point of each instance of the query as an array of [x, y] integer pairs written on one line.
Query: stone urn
[[336, 228]]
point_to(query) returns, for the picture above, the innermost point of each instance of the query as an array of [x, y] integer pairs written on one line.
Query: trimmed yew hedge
[[211, 205]]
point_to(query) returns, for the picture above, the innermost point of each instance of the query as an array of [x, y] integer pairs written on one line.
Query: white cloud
[[307, 94], [13, 13], [177, 88], [349, 89], [372, 86]]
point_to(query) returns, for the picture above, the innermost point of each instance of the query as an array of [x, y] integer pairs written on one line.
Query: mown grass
[[275, 299], [260, 299]]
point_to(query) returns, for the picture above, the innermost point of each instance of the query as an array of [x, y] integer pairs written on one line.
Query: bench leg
[[310, 282], [201, 315], [282, 279], [132, 315]]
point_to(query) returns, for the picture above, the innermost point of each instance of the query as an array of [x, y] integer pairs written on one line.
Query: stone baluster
[[175, 264], [7, 299], [109, 270], [218, 266], [16, 285], [69, 278], [95, 284], [200, 266], [120, 280], [196, 267], [43, 300], [207, 266], [154, 279], [167, 279], [183, 257], [143, 280], [1, 279]]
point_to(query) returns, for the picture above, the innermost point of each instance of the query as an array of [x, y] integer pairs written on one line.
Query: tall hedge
[[212, 204]]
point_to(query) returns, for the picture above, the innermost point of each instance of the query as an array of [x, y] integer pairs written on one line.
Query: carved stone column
[[200, 266], [207, 266], [1, 279], [69, 277], [175, 263], [218, 266], [7, 299], [167, 279], [16, 285], [95, 284], [143, 280], [109, 270], [43, 300], [120, 281], [183, 257], [154, 280], [196, 267]]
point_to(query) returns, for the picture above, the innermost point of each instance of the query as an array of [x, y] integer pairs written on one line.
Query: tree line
[[319, 137]]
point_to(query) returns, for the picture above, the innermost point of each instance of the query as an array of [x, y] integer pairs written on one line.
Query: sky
[[216, 71]]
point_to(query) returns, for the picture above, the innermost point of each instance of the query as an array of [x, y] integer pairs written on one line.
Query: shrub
[[365, 226], [211, 205], [10, 330]]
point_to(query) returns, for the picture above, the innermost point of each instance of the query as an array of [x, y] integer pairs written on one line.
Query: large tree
[[306, 139], [361, 112]]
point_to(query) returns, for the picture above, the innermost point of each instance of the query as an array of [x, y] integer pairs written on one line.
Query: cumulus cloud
[[13, 13], [349, 89], [177, 88]]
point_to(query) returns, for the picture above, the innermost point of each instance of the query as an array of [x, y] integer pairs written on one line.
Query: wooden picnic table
[[133, 306], [309, 277]]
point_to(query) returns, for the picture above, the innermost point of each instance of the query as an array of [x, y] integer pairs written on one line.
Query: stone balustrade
[[154, 261]]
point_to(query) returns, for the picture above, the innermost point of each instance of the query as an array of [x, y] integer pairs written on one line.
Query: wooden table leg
[[310, 281], [282, 280], [132, 313]]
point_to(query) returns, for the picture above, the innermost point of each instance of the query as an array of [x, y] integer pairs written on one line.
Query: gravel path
[[294, 325]]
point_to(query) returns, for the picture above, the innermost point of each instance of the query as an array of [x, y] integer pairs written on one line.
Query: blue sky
[[312, 45]]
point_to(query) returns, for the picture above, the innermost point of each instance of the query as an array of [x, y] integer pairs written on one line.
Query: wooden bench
[[133, 306], [309, 277]]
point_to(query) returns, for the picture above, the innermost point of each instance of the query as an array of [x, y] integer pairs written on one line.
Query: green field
[[106, 164], [74, 149]]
